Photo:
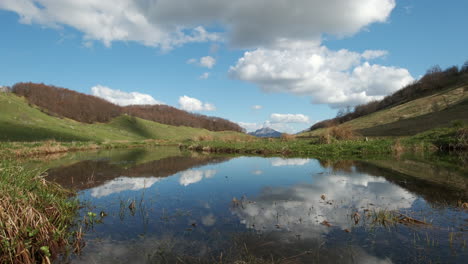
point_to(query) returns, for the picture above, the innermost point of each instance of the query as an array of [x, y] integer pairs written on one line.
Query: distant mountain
[[266, 132]]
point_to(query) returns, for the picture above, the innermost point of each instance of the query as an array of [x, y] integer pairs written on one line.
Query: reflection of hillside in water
[[434, 183], [94, 173]]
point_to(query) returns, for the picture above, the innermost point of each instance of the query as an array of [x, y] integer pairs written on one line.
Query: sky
[[284, 64]]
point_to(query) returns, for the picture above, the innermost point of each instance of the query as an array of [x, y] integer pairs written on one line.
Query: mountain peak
[[266, 132]]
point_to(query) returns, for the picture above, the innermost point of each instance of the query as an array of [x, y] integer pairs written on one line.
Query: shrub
[[342, 133]]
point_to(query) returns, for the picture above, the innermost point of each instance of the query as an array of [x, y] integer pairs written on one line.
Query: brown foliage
[[172, 116], [90, 109], [67, 103]]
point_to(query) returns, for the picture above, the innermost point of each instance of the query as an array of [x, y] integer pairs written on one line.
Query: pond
[[167, 206]]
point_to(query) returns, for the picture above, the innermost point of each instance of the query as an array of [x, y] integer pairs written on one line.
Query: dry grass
[[337, 133], [34, 216], [287, 137], [343, 133], [398, 148], [203, 138]]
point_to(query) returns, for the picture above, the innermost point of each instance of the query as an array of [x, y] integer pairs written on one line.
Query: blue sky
[[305, 59]]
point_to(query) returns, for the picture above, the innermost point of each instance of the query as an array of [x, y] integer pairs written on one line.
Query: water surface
[[164, 206]]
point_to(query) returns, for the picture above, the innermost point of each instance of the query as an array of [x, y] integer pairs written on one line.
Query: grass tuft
[[35, 216]]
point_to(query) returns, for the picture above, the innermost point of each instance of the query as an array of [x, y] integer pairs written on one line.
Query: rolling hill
[[20, 121], [436, 110]]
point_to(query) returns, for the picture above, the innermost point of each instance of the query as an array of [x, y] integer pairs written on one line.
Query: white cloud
[[123, 98], [257, 107], [337, 78], [204, 76], [374, 54], [171, 23], [250, 126], [289, 118], [194, 176], [279, 162], [207, 62], [193, 105]]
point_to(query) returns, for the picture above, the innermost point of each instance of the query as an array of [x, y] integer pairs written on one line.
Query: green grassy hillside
[[413, 117], [20, 121]]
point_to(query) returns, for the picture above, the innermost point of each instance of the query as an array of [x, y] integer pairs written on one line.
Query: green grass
[[448, 138], [297, 147], [412, 126], [35, 216], [21, 122], [412, 117]]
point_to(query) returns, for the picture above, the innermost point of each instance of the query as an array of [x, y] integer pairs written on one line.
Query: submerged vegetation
[[35, 216]]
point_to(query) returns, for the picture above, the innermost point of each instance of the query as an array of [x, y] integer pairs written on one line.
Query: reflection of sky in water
[[120, 184], [194, 206], [301, 209], [193, 176]]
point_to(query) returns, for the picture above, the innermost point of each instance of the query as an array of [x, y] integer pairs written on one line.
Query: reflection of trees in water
[[93, 173]]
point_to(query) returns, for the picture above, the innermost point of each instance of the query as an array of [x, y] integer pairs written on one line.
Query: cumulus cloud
[[204, 76], [337, 78], [289, 118], [194, 176], [123, 98], [194, 105], [171, 23]]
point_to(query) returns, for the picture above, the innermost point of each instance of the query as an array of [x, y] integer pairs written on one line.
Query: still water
[[164, 206]]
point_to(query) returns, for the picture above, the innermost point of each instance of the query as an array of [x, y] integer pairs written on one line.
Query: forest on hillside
[[435, 80], [61, 102]]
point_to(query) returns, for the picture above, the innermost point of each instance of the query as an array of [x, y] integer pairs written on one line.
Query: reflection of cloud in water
[[122, 184], [208, 220], [257, 172], [277, 162], [300, 208], [170, 249], [194, 176]]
